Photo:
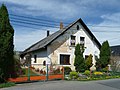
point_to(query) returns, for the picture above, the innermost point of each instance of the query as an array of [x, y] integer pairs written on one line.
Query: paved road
[[113, 84]]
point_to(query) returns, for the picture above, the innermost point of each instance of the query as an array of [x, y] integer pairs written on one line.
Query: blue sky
[[103, 15]]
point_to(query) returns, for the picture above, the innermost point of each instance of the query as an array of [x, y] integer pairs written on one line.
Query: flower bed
[[88, 76]]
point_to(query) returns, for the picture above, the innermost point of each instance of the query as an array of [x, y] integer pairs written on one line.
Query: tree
[[105, 53], [6, 44], [88, 62], [79, 62]]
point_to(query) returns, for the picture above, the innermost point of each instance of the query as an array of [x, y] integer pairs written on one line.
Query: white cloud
[[44, 7], [111, 19], [24, 40], [25, 37], [111, 29], [62, 9], [106, 10]]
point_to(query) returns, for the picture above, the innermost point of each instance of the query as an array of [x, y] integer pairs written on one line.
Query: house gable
[[48, 40], [62, 44]]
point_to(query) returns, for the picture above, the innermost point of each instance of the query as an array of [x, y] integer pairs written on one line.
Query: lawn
[[8, 84]]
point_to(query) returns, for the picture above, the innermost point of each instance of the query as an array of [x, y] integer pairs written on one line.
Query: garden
[[106, 67], [91, 75]]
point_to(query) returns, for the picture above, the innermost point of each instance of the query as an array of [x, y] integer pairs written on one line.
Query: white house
[[59, 47]]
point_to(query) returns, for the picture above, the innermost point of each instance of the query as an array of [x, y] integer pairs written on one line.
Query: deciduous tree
[[88, 62]]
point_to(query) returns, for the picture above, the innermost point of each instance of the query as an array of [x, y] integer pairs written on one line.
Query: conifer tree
[[105, 53], [79, 62], [6, 44]]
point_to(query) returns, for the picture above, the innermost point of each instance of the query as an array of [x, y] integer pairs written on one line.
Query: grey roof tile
[[46, 41]]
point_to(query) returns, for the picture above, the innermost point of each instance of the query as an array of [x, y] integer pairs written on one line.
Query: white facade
[[61, 47]]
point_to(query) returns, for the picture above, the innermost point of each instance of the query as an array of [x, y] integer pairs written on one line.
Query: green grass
[[8, 84], [26, 72]]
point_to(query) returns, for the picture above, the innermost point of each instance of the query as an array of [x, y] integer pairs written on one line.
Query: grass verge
[[8, 84]]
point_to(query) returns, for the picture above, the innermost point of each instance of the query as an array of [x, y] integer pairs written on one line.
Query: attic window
[[72, 42], [78, 27], [82, 41]]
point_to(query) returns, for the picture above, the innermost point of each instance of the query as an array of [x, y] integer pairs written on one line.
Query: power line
[[43, 23], [20, 23], [55, 22], [33, 24], [106, 31], [31, 27], [114, 38], [104, 26], [24, 26], [32, 18], [27, 20], [99, 31]]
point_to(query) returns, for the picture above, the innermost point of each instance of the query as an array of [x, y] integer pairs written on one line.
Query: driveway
[[113, 84]]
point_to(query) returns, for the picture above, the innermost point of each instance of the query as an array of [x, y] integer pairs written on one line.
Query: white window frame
[[70, 40], [64, 54]]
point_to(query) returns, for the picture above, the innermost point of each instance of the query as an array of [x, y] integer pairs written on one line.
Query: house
[[115, 50], [59, 47], [115, 58]]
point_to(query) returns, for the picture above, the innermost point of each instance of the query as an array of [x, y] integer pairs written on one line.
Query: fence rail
[[40, 72]]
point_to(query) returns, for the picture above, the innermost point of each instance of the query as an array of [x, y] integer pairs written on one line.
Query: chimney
[[48, 33], [61, 25]]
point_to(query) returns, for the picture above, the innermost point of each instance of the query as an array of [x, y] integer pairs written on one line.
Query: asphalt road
[[113, 84]]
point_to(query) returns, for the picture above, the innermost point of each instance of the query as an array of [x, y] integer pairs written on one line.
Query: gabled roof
[[115, 50], [46, 41]]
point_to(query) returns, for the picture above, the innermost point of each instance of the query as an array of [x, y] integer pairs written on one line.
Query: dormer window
[[72, 41]]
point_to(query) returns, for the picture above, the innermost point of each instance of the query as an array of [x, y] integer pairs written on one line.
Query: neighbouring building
[[115, 50], [59, 47], [115, 58]]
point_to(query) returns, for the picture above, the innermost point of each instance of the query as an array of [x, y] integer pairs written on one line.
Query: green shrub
[[105, 69], [87, 72], [73, 75], [98, 73], [88, 62], [67, 70], [56, 71], [23, 71]]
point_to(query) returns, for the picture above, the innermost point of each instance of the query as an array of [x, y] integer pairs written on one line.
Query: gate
[[37, 72]]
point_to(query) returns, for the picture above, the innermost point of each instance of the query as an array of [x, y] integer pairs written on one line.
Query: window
[[44, 63], [82, 38], [72, 42], [35, 58], [82, 41], [78, 27], [64, 59]]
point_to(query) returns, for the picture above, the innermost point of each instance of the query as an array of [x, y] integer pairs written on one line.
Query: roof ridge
[[47, 40]]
